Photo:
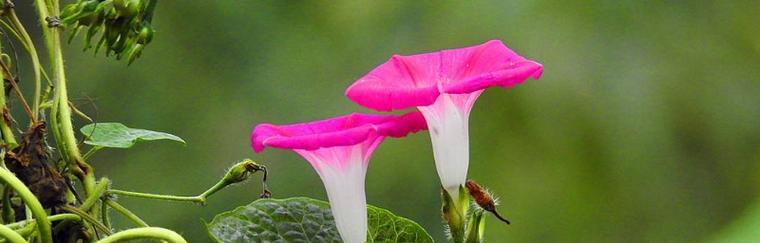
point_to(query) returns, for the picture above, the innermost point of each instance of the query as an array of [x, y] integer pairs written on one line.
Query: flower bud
[[127, 8], [241, 171], [145, 35], [483, 198], [135, 53], [125, 24]]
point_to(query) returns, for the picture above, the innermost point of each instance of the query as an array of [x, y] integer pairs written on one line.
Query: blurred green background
[[644, 128]]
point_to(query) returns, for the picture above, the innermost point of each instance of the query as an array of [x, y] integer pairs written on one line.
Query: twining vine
[[56, 196]]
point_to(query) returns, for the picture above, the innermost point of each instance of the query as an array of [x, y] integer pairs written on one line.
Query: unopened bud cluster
[[125, 24]]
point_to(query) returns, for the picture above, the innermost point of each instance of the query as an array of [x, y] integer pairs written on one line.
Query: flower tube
[[339, 150], [444, 85]]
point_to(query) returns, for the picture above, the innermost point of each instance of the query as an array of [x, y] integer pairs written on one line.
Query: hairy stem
[[53, 218], [104, 217], [196, 199], [8, 214], [143, 233], [88, 218], [95, 195], [202, 198], [10, 235], [43, 224], [60, 113], [91, 152], [29, 46], [9, 140], [124, 211]]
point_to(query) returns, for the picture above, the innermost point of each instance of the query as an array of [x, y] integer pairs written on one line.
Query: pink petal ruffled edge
[[418, 80], [338, 131]]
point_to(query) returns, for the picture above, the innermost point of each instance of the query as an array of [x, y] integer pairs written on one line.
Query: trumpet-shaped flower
[[339, 150], [444, 85]]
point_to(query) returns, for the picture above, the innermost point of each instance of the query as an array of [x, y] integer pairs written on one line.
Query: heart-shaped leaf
[[117, 135], [305, 220]]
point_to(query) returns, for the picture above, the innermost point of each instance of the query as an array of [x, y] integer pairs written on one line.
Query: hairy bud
[[483, 198]]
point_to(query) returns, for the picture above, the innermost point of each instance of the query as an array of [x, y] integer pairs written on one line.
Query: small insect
[[53, 21], [483, 198]]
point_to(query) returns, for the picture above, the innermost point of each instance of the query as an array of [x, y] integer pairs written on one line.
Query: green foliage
[[117, 135], [305, 219], [126, 24], [384, 226], [743, 229], [645, 126], [476, 226]]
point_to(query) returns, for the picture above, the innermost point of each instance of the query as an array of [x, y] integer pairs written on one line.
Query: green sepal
[[464, 200], [454, 212], [476, 225]]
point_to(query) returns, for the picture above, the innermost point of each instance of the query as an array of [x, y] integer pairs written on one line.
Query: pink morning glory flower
[[339, 150], [444, 85]]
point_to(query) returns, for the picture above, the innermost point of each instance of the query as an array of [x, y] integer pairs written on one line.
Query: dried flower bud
[[483, 198]]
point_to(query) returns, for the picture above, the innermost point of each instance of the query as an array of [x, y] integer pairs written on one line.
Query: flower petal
[[338, 131], [401, 82], [343, 170], [418, 80], [507, 77]]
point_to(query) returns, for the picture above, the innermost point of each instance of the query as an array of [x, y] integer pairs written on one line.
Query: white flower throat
[[449, 134]]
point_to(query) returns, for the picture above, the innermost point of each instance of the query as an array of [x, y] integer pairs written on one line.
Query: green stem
[[31, 202], [14, 32], [202, 198], [10, 235], [196, 199], [27, 230], [60, 113], [104, 217], [124, 211], [143, 233], [150, 9], [95, 195], [28, 213], [87, 217], [5, 129], [88, 182], [53, 218], [29, 46], [91, 152], [9, 215], [218, 186]]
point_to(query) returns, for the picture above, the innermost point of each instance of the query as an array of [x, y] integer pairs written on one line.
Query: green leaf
[[305, 220], [385, 226], [116, 135]]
